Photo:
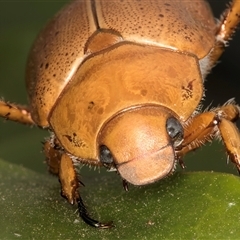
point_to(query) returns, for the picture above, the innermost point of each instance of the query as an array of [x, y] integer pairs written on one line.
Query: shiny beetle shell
[[96, 77]]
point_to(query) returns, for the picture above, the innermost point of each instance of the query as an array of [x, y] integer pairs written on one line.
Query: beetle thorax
[[111, 82]]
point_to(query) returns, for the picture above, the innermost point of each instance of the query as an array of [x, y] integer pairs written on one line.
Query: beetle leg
[[226, 27], [217, 123], [231, 138], [70, 185], [53, 157], [61, 164], [15, 113], [68, 179]]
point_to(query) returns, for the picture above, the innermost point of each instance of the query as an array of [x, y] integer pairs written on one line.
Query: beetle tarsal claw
[[83, 213], [125, 185], [181, 163]]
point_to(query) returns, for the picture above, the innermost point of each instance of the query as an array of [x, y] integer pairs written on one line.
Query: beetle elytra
[[119, 84]]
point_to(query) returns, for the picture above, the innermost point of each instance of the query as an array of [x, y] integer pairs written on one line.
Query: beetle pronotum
[[106, 84]]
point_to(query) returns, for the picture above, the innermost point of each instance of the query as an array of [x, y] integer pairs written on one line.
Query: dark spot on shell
[[46, 65], [161, 15], [187, 92], [90, 105], [143, 92], [190, 84], [69, 138], [100, 111]]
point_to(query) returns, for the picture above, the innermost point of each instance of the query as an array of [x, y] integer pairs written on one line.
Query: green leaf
[[184, 206]]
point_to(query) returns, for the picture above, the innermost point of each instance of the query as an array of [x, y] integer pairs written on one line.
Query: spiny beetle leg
[[61, 164], [15, 112], [227, 25], [216, 123]]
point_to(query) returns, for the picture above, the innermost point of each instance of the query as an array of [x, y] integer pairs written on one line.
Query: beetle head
[[140, 144]]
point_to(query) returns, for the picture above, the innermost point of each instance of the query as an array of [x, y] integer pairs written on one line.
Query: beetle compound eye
[[174, 130], [106, 157]]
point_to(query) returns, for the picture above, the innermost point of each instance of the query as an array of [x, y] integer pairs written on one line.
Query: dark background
[[20, 21]]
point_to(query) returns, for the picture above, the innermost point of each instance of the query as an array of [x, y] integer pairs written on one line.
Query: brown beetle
[[119, 84]]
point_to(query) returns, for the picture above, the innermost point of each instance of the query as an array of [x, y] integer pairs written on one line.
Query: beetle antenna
[[83, 213]]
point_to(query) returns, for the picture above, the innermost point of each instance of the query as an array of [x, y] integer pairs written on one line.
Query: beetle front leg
[[61, 164], [217, 123], [70, 185], [16, 113], [53, 157]]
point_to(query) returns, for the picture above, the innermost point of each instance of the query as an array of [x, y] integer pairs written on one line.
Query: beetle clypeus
[[119, 84]]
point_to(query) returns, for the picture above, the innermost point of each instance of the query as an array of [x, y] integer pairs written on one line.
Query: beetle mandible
[[119, 84]]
